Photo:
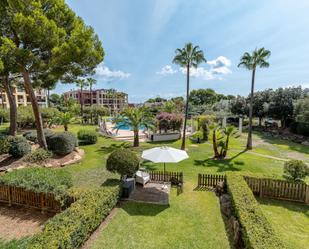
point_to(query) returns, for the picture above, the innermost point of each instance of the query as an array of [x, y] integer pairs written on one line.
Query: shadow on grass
[[110, 182], [112, 147], [291, 206], [143, 209], [278, 141], [222, 165]]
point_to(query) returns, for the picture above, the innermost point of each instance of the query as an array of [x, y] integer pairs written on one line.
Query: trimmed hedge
[[256, 231], [62, 143], [300, 128], [40, 180], [87, 137], [19, 147], [71, 228]]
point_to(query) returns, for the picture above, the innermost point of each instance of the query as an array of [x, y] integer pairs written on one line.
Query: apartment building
[[22, 98], [115, 101]]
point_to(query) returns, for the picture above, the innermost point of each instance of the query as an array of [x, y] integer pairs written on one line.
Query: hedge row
[[256, 231], [71, 228], [40, 180]]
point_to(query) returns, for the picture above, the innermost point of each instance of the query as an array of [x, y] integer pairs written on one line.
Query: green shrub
[[33, 137], [296, 170], [4, 145], [198, 136], [87, 137], [123, 161], [25, 117], [40, 180], [19, 147], [38, 156], [300, 128], [256, 231], [4, 115], [71, 228], [62, 143]]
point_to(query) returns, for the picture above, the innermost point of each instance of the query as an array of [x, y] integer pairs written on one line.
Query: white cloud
[[104, 73], [218, 68], [200, 72], [167, 70]]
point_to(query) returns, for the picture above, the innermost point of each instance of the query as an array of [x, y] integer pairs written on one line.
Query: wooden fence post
[[10, 196], [307, 194]]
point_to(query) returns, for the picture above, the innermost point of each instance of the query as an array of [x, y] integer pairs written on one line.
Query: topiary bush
[[197, 136], [62, 143], [123, 161], [4, 145], [38, 156], [296, 170], [87, 137], [71, 228], [19, 147]]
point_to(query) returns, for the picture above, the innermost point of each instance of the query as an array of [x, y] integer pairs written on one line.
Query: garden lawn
[[289, 220], [193, 220]]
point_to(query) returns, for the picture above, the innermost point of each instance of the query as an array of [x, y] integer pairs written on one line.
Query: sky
[[140, 38]]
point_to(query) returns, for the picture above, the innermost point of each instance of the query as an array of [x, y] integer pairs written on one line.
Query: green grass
[[193, 219], [290, 221]]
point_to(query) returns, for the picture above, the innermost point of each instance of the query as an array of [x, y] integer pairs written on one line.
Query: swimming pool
[[127, 127]]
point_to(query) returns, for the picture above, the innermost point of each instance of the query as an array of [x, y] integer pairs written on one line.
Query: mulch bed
[[17, 222]]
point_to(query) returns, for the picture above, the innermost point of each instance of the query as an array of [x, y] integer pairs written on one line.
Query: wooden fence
[[175, 178], [279, 189], [21, 196], [207, 180]]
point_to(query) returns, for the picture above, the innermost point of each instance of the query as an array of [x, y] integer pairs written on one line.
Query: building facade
[[22, 98], [115, 101]]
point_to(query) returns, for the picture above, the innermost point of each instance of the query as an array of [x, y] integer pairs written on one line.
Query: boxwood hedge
[[86, 137], [256, 231], [71, 228]]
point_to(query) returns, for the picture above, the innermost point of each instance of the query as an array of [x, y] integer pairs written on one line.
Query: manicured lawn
[[192, 220], [290, 221]]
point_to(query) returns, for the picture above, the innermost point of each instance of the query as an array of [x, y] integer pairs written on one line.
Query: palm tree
[[65, 118], [251, 62], [189, 56], [134, 118], [91, 82], [81, 83]]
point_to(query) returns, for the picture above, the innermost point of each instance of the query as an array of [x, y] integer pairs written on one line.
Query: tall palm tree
[[251, 62], [91, 82], [134, 118], [189, 56], [82, 84]]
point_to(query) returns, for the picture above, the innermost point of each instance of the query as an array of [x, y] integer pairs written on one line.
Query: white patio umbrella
[[164, 155]]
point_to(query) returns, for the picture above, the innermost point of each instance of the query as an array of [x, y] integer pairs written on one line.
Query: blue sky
[[140, 38]]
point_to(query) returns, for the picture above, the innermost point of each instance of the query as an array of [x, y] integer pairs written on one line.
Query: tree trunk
[[13, 108], [183, 144], [35, 108], [66, 127], [2, 97], [260, 121], [81, 103], [214, 143], [226, 146], [91, 103], [47, 100], [249, 141], [136, 139]]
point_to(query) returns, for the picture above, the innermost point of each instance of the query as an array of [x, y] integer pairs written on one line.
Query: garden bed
[[18, 222]]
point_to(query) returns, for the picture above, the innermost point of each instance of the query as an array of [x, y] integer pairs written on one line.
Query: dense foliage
[[71, 228], [87, 137], [169, 121], [296, 170], [32, 135], [123, 161], [4, 115], [4, 145], [39, 180], [256, 231], [19, 147], [38, 156], [62, 143]]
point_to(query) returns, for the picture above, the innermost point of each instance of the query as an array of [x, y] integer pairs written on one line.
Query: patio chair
[[142, 177]]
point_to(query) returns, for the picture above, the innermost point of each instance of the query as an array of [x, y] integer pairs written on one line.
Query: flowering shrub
[[169, 121]]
